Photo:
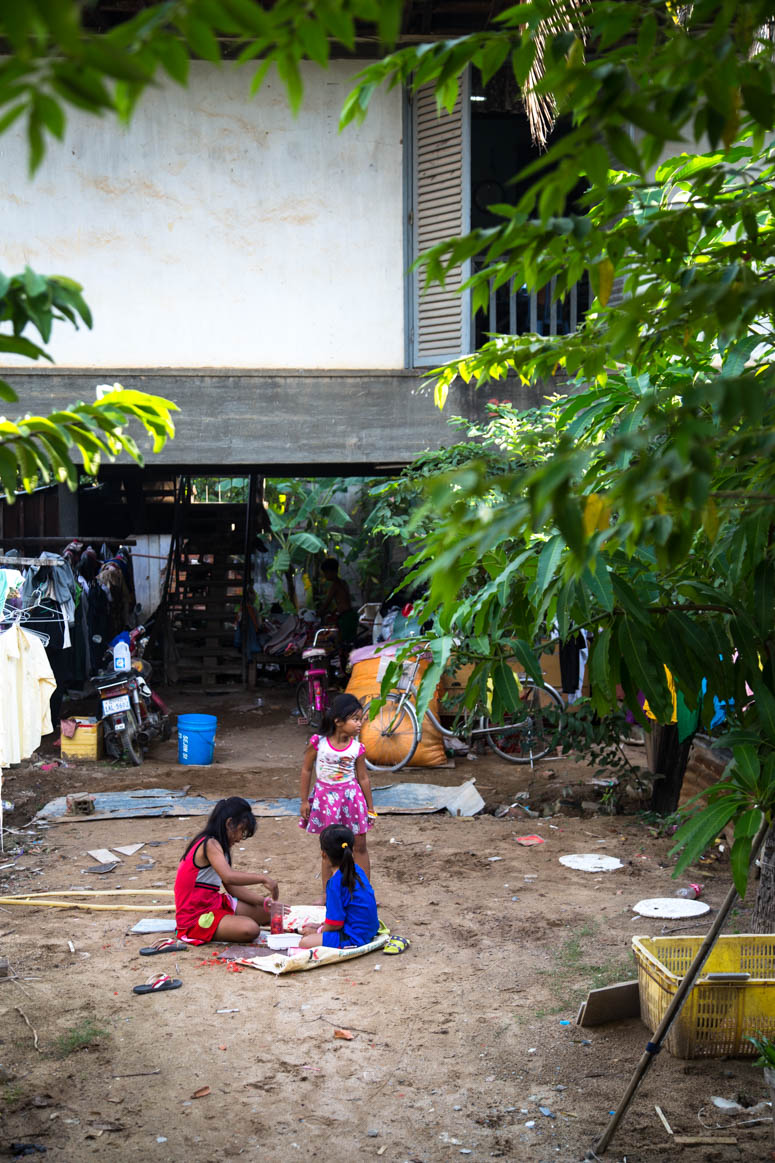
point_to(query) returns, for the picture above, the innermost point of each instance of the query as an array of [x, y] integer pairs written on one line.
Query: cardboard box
[[550, 666], [86, 743]]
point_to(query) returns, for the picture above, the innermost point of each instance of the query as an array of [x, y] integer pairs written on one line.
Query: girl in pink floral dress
[[342, 792]]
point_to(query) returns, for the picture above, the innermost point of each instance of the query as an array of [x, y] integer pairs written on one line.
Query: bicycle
[[312, 693], [526, 737]]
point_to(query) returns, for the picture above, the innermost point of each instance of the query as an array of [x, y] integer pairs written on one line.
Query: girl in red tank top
[[211, 898]]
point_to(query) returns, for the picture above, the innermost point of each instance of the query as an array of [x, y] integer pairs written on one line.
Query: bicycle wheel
[[306, 709], [528, 734], [391, 737]]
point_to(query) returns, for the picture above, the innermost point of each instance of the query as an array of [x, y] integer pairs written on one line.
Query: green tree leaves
[[42, 449], [642, 506]]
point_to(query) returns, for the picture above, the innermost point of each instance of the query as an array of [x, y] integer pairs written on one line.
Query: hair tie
[[345, 845]]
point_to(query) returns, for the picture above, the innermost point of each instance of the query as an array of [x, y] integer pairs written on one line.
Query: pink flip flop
[[158, 984]]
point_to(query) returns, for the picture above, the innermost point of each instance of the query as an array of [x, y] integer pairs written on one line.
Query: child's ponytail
[[337, 842]]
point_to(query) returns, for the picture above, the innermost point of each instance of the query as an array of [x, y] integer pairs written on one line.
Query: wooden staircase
[[204, 599]]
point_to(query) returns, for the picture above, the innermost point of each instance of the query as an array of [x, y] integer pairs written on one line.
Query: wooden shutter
[[617, 292], [441, 316]]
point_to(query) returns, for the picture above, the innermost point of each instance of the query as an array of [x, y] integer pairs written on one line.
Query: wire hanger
[[45, 638], [11, 615]]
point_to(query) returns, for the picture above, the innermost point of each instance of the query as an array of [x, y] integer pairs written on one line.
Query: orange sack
[[365, 682]]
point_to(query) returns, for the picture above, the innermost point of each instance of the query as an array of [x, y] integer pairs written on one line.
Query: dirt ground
[[465, 1046]]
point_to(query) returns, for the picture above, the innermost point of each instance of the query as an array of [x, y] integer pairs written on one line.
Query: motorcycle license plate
[[111, 706]]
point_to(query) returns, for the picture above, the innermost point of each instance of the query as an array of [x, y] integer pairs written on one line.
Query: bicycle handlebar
[[323, 630]]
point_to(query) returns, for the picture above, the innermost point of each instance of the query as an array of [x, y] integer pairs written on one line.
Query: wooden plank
[[6, 559], [663, 1120], [613, 1003], [704, 1140]]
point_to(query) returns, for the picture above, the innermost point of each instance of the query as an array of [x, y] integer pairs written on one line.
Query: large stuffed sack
[[365, 683]]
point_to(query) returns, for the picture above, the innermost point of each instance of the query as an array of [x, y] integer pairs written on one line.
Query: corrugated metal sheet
[[397, 798]]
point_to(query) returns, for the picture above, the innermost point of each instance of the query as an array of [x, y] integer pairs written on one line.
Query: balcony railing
[[513, 310]]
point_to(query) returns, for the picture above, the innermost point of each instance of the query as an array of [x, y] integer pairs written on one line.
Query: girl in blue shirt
[[351, 909]]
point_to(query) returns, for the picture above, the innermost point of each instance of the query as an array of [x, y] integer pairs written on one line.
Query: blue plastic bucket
[[196, 738]]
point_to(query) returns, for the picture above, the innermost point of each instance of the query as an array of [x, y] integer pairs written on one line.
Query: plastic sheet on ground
[[397, 798], [308, 958]]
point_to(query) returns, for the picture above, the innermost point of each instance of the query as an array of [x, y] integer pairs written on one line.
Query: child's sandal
[[396, 945], [163, 945]]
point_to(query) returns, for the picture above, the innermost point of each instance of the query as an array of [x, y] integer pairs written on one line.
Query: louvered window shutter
[[617, 292], [441, 316]]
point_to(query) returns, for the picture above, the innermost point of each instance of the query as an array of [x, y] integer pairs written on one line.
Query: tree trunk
[[667, 758], [763, 920]]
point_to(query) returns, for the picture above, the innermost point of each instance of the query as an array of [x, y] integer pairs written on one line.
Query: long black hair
[[235, 809], [341, 708], [337, 842]]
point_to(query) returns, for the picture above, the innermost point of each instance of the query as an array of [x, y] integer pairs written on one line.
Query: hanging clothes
[[53, 577], [98, 624], [111, 578], [26, 686], [573, 660], [48, 615], [569, 662]]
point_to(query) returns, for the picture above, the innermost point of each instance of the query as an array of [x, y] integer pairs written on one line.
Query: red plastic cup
[[276, 916]]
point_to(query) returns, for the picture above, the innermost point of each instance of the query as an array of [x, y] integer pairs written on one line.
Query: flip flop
[[396, 945], [158, 984], [163, 945]]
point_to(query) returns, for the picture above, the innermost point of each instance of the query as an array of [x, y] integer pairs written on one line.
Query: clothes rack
[[6, 559], [85, 538]]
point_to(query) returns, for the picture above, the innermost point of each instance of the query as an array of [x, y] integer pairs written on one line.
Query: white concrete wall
[[219, 231]]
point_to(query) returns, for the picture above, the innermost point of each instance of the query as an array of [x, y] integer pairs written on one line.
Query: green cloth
[[688, 721]]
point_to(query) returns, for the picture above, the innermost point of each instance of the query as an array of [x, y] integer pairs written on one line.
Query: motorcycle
[[132, 714]]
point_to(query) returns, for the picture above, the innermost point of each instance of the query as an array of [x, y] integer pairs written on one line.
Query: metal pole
[[681, 994], [247, 571], [66, 540]]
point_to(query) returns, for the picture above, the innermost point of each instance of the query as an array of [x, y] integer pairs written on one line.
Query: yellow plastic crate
[[717, 1017], [86, 743]]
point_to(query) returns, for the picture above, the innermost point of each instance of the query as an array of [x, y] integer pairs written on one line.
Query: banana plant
[[302, 526]]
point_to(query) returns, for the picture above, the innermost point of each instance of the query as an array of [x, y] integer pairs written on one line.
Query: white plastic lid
[[670, 907], [591, 862]]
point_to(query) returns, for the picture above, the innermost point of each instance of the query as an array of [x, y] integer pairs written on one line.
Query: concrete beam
[[302, 420]]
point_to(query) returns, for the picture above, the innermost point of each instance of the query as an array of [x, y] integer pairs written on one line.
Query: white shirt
[[334, 764]]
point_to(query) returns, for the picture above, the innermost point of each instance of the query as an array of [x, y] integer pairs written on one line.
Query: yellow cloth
[[671, 686]]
